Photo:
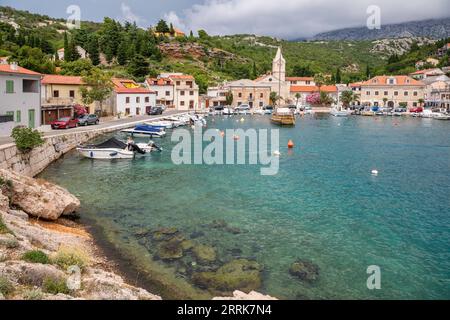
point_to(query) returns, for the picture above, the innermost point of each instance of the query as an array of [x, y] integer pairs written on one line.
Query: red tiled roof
[[58, 79], [400, 81], [299, 78], [182, 76], [159, 81], [423, 71], [355, 84], [119, 87], [328, 89], [6, 68]]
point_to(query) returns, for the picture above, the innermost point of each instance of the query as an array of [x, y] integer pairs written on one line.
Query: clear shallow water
[[323, 206]]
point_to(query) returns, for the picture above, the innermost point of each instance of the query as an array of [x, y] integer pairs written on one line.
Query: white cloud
[[298, 18], [128, 15]]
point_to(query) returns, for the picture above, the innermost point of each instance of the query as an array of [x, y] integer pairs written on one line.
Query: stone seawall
[[32, 163]]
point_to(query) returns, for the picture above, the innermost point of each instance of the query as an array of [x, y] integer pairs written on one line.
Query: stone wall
[[31, 164]]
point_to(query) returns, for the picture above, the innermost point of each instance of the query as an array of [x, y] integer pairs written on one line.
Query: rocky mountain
[[434, 29]]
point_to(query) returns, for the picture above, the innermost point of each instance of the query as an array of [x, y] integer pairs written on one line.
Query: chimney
[[14, 66]]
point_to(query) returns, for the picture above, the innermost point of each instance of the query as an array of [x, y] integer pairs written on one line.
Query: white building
[[176, 90], [83, 53], [20, 98], [130, 99]]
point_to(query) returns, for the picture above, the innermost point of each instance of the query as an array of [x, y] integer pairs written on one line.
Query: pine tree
[[172, 30], [94, 53], [338, 77], [368, 72], [67, 52], [122, 53]]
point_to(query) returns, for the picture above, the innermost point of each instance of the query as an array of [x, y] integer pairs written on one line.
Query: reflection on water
[[206, 230]]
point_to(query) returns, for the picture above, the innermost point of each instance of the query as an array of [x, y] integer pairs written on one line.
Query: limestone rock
[[39, 198], [170, 250], [102, 285], [238, 274], [252, 296]]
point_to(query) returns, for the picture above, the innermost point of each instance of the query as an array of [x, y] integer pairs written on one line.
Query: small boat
[[442, 117], [162, 124], [116, 149], [228, 111], [339, 113], [146, 130], [283, 117]]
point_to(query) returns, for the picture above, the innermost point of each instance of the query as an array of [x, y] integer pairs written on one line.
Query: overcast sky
[[280, 18]]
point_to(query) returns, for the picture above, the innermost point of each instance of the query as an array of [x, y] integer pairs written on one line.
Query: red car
[[416, 110], [64, 123]]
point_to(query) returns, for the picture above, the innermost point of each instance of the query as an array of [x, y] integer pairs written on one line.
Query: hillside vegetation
[[126, 50]]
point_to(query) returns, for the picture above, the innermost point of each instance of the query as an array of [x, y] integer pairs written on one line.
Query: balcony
[[58, 102]]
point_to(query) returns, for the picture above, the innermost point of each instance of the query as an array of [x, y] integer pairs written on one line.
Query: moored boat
[[116, 149], [146, 130], [283, 117]]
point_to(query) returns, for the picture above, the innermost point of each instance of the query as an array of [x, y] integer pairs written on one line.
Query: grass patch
[[55, 286], [67, 257], [36, 256], [3, 228], [6, 287], [33, 294]]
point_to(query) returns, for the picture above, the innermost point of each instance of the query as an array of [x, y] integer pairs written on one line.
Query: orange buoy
[[291, 144]]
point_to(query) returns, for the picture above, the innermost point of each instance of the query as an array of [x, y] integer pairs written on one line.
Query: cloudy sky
[[280, 18]]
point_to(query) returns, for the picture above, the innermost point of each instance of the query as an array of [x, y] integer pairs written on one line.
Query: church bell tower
[[279, 66]]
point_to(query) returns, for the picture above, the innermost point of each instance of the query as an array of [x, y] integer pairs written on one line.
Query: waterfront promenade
[[120, 123]]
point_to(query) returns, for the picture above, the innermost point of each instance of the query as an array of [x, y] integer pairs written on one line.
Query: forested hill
[[125, 50]]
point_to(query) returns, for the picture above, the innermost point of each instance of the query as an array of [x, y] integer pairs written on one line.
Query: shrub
[[27, 139], [36, 256], [6, 287], [33, 294], [3, 228], [67, 257], [55, 286]]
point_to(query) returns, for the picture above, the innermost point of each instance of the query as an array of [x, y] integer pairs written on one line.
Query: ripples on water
[[323, 206]]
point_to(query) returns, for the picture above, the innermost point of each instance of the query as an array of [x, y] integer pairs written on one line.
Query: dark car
[[88, 119], [64, 123], [154, 111]]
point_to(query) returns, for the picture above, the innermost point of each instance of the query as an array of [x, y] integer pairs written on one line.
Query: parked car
[[163, 107], [155, 111], [64, 123], [416, 110], [400, 110], [88, 119]]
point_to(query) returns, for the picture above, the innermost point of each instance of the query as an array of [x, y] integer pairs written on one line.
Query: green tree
[[67, 53], [325, 98], [320, 80], [297, 97], [274, 98], [98, 86], [162, 27], [368, 72], [229, 98], [33, 59], [139, 67], [347, 97], [110, 38], [172, 29], [92, 49], [122, 54], [203, 35], [76, 68], [74, 55], [302, 71], [338, 77]]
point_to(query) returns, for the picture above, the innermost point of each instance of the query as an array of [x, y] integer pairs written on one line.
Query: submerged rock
[[238, 274], [170, 250], [197, 234], [40, 198], [219, 224], [164, 234], [305, 270], [204, 253]]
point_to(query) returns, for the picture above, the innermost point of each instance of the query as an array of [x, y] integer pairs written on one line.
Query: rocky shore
[[44, 255]]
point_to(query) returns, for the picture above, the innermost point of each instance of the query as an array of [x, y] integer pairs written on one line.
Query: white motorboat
[[339, 113], [165, 124], [228, 111], [146, 130], [442, 116], [116, 149]]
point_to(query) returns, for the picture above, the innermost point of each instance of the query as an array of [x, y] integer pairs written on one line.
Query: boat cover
[[111, 143], [147, 128]]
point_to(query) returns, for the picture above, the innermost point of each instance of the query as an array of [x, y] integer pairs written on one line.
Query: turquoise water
[[324, 205]]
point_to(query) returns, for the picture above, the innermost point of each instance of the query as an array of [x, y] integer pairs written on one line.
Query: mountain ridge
[[431, 28]]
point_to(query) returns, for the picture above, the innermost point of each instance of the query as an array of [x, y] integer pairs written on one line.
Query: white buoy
[[374, 172], [242, 119], [277, 153]]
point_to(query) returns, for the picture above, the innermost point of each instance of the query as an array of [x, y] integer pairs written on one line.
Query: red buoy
[[291, 144]]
